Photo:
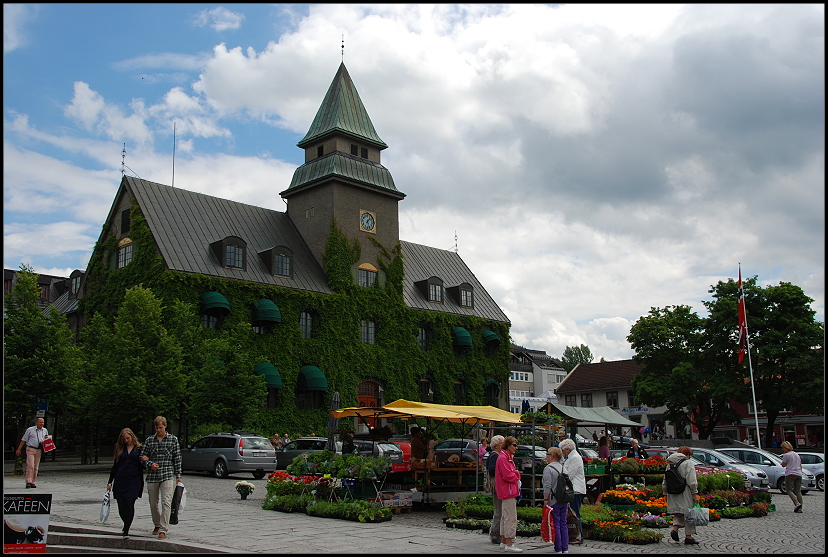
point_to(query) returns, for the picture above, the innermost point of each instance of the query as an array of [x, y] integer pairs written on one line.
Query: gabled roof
[[342, 111], [64, 304], [599, 376], [423, 262], [185, 223], [345, 167]]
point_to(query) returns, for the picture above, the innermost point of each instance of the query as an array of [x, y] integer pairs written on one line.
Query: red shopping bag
[[48, 444], [547, 525]]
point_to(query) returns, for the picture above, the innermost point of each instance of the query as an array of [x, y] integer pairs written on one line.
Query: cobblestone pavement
[[216, 516]]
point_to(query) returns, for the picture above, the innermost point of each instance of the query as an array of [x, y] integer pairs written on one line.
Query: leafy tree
[[39, 354], [574, 355], [681, 371], [786, 346]]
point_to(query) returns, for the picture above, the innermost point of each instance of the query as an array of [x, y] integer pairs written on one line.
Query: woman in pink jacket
[[507, 484]]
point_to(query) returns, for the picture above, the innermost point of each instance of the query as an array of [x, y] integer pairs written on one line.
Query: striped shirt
[[167, 454]]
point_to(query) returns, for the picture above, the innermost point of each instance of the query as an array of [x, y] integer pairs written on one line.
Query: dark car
[[622, 442], [366, 447], [465, 449], [230, 452], [303, 445], [524, 456]]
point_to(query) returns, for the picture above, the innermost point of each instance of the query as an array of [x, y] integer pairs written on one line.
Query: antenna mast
[[343, 48], [173, 169], [455, 241], [123, 157]]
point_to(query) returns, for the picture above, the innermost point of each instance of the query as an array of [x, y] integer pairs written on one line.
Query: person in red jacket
[[507, 484]]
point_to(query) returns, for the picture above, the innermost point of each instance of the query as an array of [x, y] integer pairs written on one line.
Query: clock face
[[366, 221]]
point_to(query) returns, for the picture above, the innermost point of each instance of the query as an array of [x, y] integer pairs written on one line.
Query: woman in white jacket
[[573, 466], [677, 505]]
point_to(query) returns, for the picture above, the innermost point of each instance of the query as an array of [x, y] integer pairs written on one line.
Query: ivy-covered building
[[333, 299]]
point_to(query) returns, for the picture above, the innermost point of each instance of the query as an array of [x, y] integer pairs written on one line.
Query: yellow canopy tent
[[464, 414]]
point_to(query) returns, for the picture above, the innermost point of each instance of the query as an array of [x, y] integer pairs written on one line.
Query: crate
[[594, 469]]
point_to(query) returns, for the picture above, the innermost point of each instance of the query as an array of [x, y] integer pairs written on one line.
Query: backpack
[[563, 491], [673, 480]]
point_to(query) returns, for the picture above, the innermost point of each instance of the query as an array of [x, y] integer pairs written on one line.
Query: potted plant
[[244, 488]]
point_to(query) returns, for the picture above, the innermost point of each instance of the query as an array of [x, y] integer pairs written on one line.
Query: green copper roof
[[340, 165], [342, 111]]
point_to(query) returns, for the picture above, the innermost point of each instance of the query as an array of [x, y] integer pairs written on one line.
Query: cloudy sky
[[593, 161]]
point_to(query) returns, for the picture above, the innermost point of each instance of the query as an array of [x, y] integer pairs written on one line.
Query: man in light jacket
[[573, 466], [33, 440]]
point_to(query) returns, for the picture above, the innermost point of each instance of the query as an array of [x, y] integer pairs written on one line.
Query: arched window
[[491, 393], [307, 322], [426, 389], [214, 307], [461, 392], [368, 331], [366, 275], [230, 252], [424, 333]]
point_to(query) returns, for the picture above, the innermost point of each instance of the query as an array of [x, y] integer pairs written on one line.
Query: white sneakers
[[513, 549]]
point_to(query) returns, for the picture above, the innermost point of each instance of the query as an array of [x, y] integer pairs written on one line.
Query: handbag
[[105, 506], [547, 525], [488, 483], [573, 525], [48, 444], [178, 501], [697, 515]]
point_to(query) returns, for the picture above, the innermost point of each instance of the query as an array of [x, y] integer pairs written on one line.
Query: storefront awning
[[266, 310], [601, 415], [490, 337], [271, 375], [311, 378], [214, 301], [462, 337]]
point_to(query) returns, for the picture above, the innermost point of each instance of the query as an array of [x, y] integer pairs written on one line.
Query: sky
[[588, 162]]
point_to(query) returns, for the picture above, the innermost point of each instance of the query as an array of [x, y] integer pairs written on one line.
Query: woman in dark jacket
[[128, 477]]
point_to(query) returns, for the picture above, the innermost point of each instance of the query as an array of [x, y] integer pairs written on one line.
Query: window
[[460, 393], [306, 324], [320, 151], [423, 337], [8, 286], [75, 285], [234, 256], [354, 150], [368, 329], [521, 376], [569, 400], [366, 277], [612, 399], [124, 255], [491, 394], [125, 221], [209, 321], [308, 400], [43, 291], [435, 292], [273, 397], [631, 399], [426, 388], [281, 265], [363, 152], [466, 298], [586, 400], [261, 328]]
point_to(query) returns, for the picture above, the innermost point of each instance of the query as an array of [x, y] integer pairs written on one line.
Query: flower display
[[618, 497], [244, 488]]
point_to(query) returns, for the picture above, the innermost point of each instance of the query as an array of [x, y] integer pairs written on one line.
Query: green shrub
[[720, 481], [737, 512], [759, 496], [529, 514]]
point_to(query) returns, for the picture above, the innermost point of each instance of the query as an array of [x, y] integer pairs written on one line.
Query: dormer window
[[358, 151], [278, 261], [463, 294], [231, 252], [74, 283], [124, 253], [432, 289]]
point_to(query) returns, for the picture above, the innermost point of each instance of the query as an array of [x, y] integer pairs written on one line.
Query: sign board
[[40, 414], [26, 522], [41, 403], [634, 411]]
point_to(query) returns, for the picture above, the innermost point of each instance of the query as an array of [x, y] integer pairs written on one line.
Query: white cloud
[[90, 110], [219, 19], [15, 16]]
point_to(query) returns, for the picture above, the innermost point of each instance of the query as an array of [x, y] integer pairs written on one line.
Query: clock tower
[[342, 177]]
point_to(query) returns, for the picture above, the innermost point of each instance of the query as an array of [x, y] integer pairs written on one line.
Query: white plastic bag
[[183, 502], [697, 515], [105, 506], [178, 501]]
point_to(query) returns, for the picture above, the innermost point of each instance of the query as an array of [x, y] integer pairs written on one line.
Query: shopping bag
[[573, 524], [105, 506], [48, 444], [547, 525], [176, 507], [697, 515]]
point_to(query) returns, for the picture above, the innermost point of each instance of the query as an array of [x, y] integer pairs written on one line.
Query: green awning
[[272, 377], [311, 378], [462, 337], [599, 415], [214, 301], [266, 310], [490, 337]]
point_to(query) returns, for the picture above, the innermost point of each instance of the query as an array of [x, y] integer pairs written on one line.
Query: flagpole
[[750, 365]]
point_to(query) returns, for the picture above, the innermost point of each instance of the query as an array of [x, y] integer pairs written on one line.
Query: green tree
[[574, 355], [39, 354], [786, 346], [681, 371]]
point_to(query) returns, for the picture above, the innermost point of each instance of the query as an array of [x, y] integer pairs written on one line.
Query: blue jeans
[[576, 508], [561, 529]]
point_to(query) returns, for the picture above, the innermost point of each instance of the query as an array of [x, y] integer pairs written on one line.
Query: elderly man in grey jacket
[[678, 504]]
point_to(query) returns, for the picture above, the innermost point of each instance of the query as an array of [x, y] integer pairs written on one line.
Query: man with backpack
[[557, 494], [681, 470]]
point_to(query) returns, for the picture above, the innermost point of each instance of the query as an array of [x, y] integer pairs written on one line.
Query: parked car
[[366, 447], [587, 453], [405, 447], [230, 452], [582, 441], [525, 454], [618, 453], [769, 463], [663, 452], [303, 445], [709, 457], [815, 464], [465, 449], [622, 442]]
